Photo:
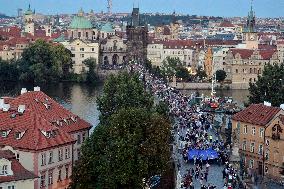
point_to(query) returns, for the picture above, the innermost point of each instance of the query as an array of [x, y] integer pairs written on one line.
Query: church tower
[[137, 38], [29, 21], [250, 36]]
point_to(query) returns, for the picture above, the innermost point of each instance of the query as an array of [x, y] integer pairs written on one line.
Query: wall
[[22, 184]]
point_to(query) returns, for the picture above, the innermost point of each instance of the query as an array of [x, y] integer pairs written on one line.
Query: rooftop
[[257, 114]]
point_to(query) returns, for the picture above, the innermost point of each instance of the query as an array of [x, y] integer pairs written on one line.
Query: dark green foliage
[[130, 144], [121, 91], [200, 73], [92, 77], [221, 75], [170, 66], [42, 62], [183, 73], [8, 71], [269, 87]]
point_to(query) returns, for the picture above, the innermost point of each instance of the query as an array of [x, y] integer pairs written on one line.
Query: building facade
[[45, 137], [261, 138], [82, 50]]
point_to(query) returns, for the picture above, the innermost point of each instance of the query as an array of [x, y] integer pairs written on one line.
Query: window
[[83, 137], [267, 155], [59, 175], [60, 154], [260, 149], [50, 157], [266, 169], [261, 132], [72, 48], [93, 49], [11, 187], [245, 129], [72, 55], [251, 163], [5, 170], [67, 153], [78, 153], [253, 131], [237, 70], [67, 171], [252, 147], [42, 180], [50, 178], [4, 134], [267, 142], [82, 49], [18, 135], [82, 55], [79, 34], [43, 159], [244, 145], [78, 139]]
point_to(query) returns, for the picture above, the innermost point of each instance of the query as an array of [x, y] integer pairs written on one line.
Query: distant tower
[[109, 6], [20, 13], [250, 36]]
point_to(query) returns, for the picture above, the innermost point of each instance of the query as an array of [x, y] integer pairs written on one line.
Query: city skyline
[[263, 8]]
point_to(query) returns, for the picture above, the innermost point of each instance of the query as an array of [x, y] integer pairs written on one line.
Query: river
[[81, 98]]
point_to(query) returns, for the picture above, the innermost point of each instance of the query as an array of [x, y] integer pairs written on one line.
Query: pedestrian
[[205, 176]]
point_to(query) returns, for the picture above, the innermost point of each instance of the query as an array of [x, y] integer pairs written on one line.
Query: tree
[[170, 66], [200, 73], [121, 91], [42, 62], [269, 87], [133, 146], [8, 71], [91, 63], [182, 72], [220, 75]]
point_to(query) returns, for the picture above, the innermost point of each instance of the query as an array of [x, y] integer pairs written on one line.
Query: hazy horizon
[[224, 8]]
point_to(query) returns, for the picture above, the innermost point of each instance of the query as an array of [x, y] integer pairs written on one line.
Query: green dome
[[29, 11], [107, 27], [80, 22]]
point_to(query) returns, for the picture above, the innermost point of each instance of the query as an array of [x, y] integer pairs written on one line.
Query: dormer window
[[4, 169], [18, 135], [4, 134]]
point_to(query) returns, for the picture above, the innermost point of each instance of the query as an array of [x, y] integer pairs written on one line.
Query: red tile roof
[[19, 172], [41, 114], [226, 24], [257, 114], [244, 53], [267, 54]]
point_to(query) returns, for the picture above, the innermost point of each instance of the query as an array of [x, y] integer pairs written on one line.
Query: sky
[[226, 8]]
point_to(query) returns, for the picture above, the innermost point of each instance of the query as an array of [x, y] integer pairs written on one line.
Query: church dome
[[80, 22]]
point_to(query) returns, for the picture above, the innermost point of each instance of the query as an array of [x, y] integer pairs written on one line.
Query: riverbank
[[207, 86]]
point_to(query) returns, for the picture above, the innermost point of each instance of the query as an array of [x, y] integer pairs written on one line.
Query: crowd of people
[[193, 132]]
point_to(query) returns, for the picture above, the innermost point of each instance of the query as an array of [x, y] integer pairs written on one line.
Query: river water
[[81, 98]]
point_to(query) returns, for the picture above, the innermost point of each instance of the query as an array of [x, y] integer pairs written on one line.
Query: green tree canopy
[[200, 73], [269, 87], [170, 66], [133, 146], [44, 62], [221, 75], [91, 63], [182, 72], [123, 90], [8, 71]]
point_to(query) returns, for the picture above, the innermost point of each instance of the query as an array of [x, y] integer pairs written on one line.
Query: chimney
[[21, 109], [6, 107], [37, 89], [267, 103], [2, 103], [24, 90], [281, 106]]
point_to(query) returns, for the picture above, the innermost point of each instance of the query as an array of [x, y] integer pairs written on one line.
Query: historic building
[[244, 65], [12, 174], [45, 138], [261, 139], [82, 28], [82, 50], [137, 38], [250, 36], [29, 21], [113, 51]]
